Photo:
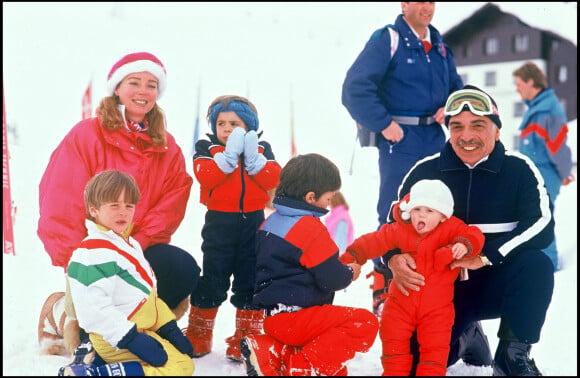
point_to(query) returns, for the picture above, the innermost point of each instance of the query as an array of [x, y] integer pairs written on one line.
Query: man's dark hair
[[308, 173]]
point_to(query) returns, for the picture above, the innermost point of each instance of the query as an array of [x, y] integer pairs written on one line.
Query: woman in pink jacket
[[128, 134]]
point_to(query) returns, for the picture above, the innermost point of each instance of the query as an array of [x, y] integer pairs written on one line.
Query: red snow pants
[[430, 311], [328, 335]]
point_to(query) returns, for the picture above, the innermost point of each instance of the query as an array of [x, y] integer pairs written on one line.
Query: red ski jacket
[[237, 191]]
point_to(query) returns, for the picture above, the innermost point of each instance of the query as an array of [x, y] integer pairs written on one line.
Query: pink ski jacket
[[90, 148]]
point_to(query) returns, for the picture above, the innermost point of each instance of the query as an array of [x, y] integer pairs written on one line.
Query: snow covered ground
[[28, 278], [263, 51]]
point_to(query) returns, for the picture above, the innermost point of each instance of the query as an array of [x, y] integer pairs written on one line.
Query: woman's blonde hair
[[112, 119]]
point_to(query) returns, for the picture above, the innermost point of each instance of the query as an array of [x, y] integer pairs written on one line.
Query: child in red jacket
[[235, 171], [425, 228]]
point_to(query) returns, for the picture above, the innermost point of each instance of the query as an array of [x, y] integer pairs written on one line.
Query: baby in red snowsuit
[[425, 228]]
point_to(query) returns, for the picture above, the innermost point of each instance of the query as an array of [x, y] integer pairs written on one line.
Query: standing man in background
[[543, 135], [396, 89]]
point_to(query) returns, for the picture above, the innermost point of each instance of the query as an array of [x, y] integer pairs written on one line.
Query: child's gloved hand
[[227, 161], [253, 160], [235, 143], [144, 346], [171, 332]]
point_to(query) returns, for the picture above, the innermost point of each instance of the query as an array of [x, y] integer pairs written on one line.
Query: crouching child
[[297, 275]]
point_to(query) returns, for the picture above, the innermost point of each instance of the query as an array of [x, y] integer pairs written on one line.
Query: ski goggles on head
[[478, 103]]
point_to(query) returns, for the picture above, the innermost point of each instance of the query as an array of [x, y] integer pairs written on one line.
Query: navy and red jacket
[[237, 191], [297, 259], [504, 196]]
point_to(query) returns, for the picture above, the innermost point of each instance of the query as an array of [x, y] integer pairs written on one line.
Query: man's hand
[[393, 132], [471, 263], [403, 267], [440, 116]]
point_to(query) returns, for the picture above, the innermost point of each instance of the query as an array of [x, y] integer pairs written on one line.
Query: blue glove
[[253, 160], [144, 346], [171, 332], [227, 161]]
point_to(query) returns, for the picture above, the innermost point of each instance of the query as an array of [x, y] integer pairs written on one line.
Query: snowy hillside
[[28, 278]]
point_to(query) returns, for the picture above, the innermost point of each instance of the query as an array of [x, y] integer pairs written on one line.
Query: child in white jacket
[[113, 289]]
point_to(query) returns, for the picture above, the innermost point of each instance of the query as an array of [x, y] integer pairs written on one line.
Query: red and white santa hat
[[137, 62], [429, 193]]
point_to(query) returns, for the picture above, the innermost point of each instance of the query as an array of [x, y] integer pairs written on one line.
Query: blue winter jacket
[[297, 260], [504, 196], [411, 83], [543, 133]]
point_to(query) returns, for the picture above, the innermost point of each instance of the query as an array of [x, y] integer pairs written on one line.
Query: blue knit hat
[[240, 105]]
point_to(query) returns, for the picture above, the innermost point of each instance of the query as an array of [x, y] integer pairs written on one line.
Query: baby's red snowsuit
[[430, 311]]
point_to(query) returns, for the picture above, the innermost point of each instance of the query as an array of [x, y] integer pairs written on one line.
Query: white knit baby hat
[[430, 193]]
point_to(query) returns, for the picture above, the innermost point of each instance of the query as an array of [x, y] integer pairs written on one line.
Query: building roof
[[486, 17]]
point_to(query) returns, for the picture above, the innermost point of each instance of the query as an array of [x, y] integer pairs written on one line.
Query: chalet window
[[562, 74], [521, 43], [490, 79], [491, 46], [519, 109], [466, 51]]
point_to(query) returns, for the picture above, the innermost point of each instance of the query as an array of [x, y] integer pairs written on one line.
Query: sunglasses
[[478, 103]]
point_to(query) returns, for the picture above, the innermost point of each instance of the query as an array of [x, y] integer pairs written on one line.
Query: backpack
[[365, 137]]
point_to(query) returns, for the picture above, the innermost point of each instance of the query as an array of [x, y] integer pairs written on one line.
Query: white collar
[[475, 165]]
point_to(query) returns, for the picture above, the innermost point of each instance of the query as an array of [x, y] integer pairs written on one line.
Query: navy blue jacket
[[297, 259], [411, 83], [504, 196]]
